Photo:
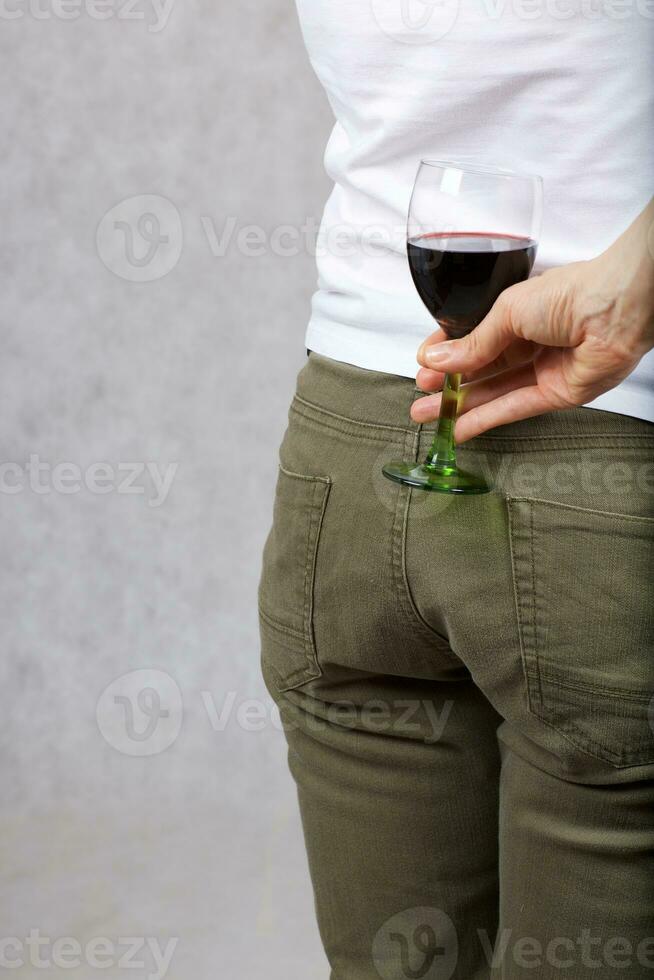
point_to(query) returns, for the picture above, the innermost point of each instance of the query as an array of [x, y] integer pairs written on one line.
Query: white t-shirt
[[562, 88]]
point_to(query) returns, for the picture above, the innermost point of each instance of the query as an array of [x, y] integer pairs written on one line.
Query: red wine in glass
[[459, 275]]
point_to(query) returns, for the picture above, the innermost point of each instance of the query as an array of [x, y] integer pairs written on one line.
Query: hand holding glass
[[472, 233]]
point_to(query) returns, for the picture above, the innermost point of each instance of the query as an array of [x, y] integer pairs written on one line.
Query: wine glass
[[472, 232]]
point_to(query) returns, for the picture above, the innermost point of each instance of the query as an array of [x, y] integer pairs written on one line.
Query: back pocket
[[286, 590], [583, 582]]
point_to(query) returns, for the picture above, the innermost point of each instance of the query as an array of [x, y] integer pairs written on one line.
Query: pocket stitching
[[620, 692], [622, 759], [317, 517], [583, 510], [534, 600], [593, 749], [366, 434], [526, 623], [302, 476], [306, 638], [277, 625], [626, 757], [303, 674]]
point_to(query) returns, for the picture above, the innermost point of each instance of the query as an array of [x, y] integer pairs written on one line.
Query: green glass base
[[438, 479]]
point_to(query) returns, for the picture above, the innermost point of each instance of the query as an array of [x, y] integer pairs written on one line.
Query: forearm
[[623, 287]]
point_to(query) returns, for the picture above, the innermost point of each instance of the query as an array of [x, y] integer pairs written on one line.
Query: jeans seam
[[639, 519], [562, 443], [303, 476], [516, 600], [318, 516], [343, 429], [647, 436], [624, 760], [380, 426], [304, 639], [620, 760], [398, 557], [614, 693], [279, 626], [295, 678], [521, 551], [535, 604]]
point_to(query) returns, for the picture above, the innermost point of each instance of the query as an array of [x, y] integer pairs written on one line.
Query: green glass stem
[[442, 454], [439, 473]]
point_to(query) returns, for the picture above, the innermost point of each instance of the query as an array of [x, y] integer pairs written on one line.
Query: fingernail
[[438, 354]]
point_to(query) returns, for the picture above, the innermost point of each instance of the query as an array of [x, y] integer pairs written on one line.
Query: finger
[[437, 337], [517, 354], [521, 403], [428, 380], [426, 409], [477, 349], [477, 392]]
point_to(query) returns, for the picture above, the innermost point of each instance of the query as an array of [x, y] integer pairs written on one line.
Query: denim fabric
[[466, 686]]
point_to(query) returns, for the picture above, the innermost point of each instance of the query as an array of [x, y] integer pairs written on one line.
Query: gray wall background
[[212, 109]]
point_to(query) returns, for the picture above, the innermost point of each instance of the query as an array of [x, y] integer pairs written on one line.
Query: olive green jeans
[[466, 685]]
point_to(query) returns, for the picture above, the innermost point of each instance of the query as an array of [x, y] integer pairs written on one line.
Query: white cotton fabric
[[562, 88]]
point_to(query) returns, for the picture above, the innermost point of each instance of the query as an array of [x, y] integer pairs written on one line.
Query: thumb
[[478, 348]]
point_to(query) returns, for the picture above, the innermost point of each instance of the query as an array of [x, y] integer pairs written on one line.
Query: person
[[466, 683]]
